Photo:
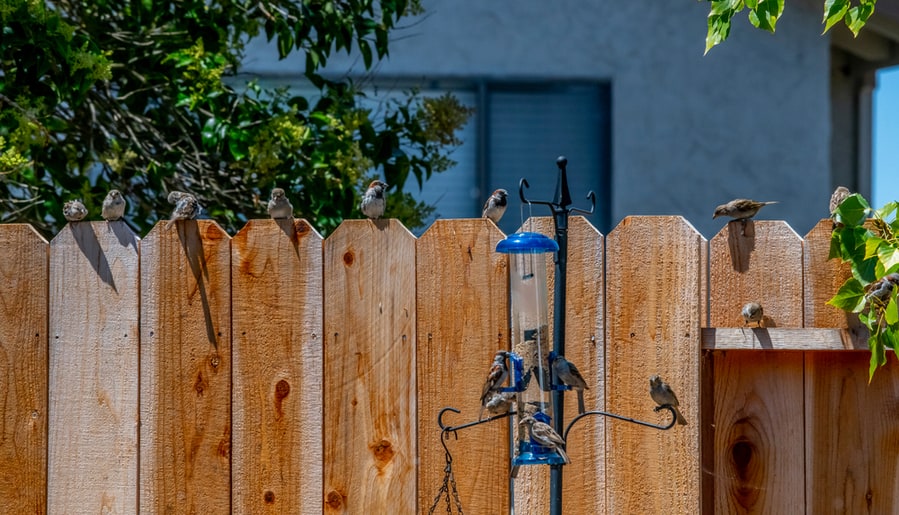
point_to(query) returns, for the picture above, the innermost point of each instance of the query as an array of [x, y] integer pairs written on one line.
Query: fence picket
[[276, 273], [370, 398], [463, 320], [23, 369], [94, 331], [653, 313], [185, 361]]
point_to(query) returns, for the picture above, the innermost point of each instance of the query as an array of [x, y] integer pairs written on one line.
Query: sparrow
[[740, 209], [113, 206], [279, 206], [753, 312], [373, 202], [74, 210], [496, 376], [186, 208], [882, 288], [664, 396], [568, 374], [837, 198], [500, 403], [543, 434], [175, 196], [495, 205]]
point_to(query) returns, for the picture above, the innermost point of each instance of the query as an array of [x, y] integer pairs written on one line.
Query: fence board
[[94, 308], [23, 369], [822, 278], [758, 432], [185, 434], [744, 338], [462, 321], [370, 437], [653, 312], [844, 413], [584, 479], [760, 264], [276, 271]]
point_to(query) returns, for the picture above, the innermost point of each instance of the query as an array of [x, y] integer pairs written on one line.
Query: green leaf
[[850, 297], [835, 251], [766, 13], [857, 16], [888, 209], [834, 11], [872, 244], [852, 211], [366, 53], [891, 315], [888, 259]]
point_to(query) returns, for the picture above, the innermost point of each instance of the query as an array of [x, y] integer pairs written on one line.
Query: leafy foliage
[[143, 97], [871, 247], [763, 14]]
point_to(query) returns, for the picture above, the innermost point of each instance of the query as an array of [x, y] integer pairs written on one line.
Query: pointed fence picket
[[278, 372]]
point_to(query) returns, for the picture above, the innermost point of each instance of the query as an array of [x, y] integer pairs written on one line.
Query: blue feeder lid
[[527, 243]]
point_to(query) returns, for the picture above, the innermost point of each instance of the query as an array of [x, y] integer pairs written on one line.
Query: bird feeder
[[530, 340]]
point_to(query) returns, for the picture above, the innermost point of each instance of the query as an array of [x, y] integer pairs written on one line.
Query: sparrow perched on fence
[[568, 374], [74, 210], [543, 434], [664, 396], [495, 205], [186, 207], [882, 288], [753, 312], [373, 201], [500, 403], [496, 376], [279, 206], [837, 197], [113, 206], [740, 209]]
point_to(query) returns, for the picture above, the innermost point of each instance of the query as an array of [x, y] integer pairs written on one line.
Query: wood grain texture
[[852, 434], [724, 338], [24, 273], [276, 271], [822, 279], [370, 398], [762, 265], [462, 320], [584, 480], [94, 347], [185, 407], [759, 458], [653, 312]]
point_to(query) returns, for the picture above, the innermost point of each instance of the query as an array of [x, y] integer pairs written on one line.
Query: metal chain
[[449, 479]]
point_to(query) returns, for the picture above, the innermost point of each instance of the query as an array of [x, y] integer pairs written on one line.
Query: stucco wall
[[751, 119]]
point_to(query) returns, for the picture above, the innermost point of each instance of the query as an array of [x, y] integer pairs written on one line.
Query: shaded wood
[[94, 346], [23, 369], [761, 264], [653, 312], [584, 479], [759, 457], [852, 437], [723, 338], [276, 273], [369, 432], [462, 320], [822, 279], [185, 432]]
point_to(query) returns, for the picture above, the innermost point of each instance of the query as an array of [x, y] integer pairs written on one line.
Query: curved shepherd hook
[[561, 203]]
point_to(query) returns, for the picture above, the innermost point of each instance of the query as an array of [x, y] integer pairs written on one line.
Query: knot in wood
[[335, 500], [268, 497], [301, 227], [349, 258], [383, 452]]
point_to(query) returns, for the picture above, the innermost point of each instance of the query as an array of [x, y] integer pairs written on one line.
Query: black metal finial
[[561, 162]]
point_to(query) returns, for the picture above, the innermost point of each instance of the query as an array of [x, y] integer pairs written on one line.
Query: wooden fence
[[276, 372]]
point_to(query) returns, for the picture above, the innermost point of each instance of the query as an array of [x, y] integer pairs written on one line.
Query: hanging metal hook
[[522, 184], [626, 419], [592, 198]]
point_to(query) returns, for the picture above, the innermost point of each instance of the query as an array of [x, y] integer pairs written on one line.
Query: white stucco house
[[623, 90]]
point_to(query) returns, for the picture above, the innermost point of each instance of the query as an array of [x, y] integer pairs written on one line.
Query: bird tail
[[580, 402], [680, 417], [563, 454]]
